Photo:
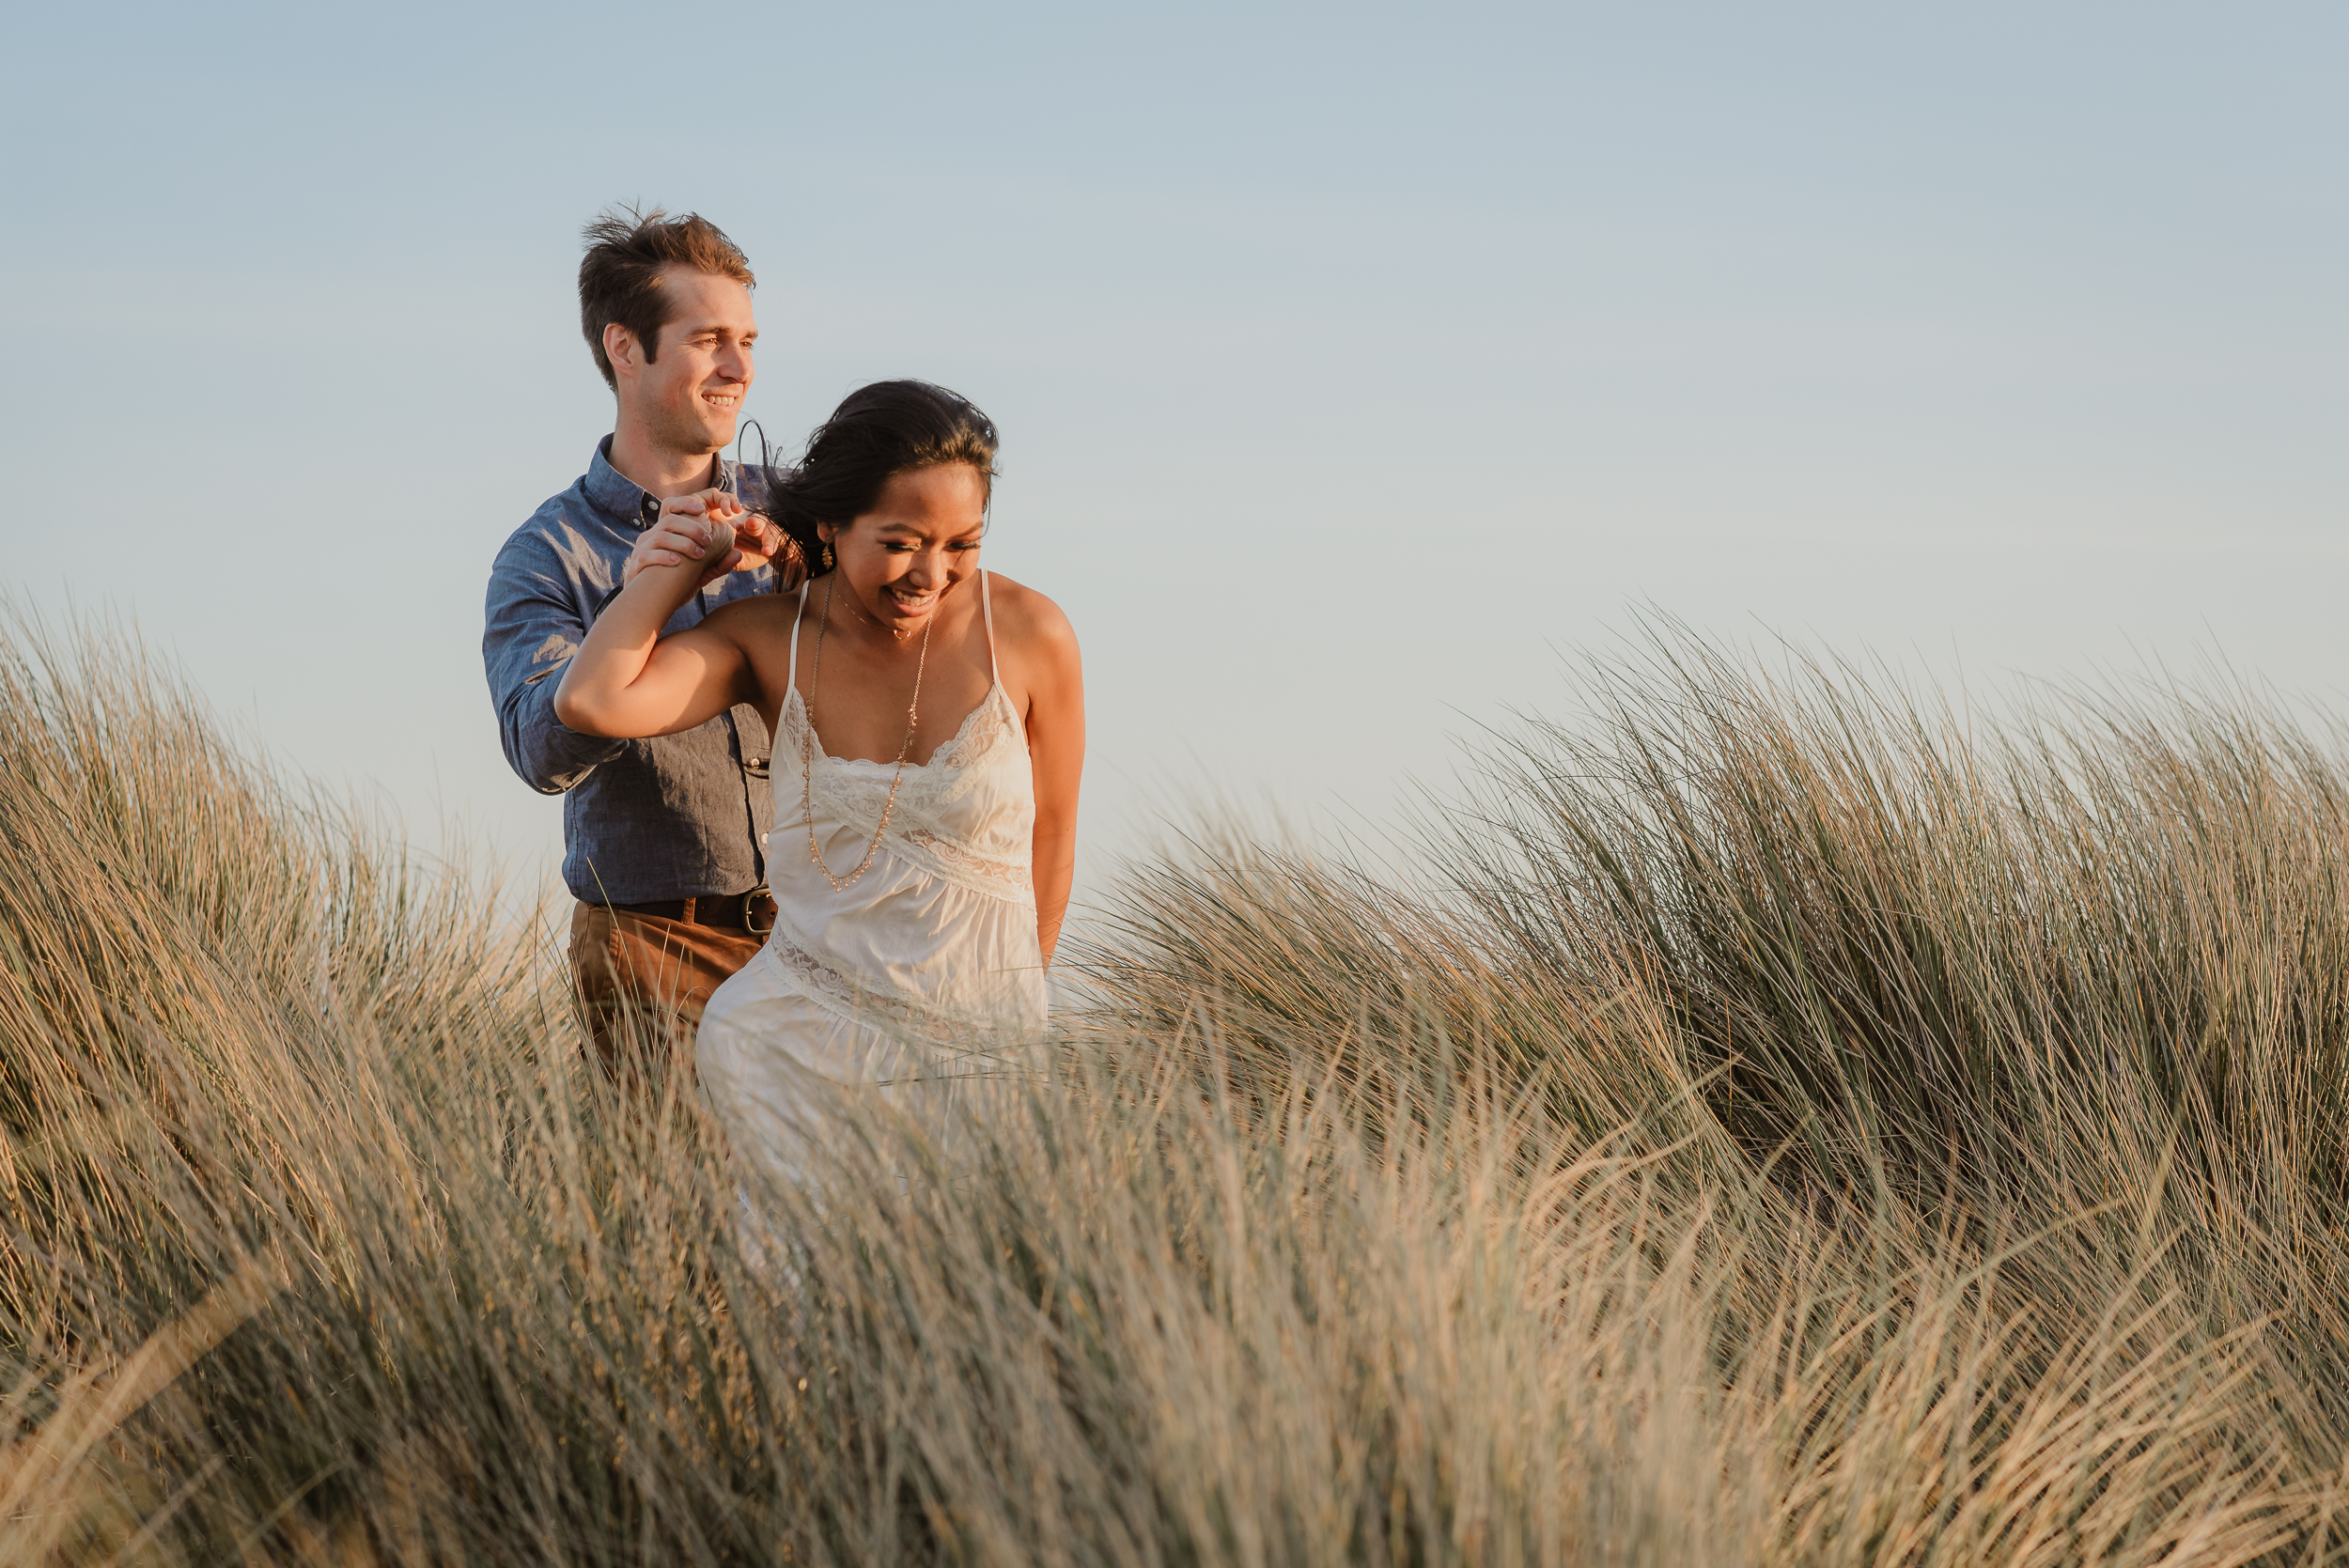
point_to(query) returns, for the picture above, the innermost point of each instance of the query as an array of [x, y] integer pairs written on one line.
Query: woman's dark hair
[[877, 433]]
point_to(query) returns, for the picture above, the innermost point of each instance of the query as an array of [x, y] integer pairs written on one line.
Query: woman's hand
[[712, 528], [627, 679]]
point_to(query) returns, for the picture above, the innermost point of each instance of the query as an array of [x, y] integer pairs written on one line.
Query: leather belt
[[752, 911]]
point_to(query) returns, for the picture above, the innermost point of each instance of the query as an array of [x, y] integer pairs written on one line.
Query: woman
[[929, 733]]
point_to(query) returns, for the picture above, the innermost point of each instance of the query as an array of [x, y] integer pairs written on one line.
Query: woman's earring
[[828, 557]]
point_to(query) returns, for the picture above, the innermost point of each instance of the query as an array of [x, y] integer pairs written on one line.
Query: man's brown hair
[[619, 277]]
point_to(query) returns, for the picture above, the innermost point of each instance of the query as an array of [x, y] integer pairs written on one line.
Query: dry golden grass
[[1778, 1124]]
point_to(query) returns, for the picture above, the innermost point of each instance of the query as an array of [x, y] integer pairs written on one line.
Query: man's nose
[[734, 363]]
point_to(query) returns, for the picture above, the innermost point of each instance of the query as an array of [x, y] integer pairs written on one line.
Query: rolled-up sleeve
[[532, 627]]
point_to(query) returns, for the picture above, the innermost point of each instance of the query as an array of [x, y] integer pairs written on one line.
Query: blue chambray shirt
[[677, 817]]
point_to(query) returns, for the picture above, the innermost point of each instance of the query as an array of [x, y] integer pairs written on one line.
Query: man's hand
[[713, 528]]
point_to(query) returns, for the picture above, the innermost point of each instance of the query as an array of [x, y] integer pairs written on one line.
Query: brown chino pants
[[644, 981]]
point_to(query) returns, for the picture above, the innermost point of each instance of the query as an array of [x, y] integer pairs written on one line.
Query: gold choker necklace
[[898, 632]]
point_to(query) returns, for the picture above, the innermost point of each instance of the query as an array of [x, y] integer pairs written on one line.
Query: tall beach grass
[[1774, 1119]]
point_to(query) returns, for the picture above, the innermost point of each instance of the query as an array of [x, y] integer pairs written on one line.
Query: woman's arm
[[629, 680], [1056, 745]]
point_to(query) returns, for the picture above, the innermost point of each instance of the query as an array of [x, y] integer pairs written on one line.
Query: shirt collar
[[612, 491]]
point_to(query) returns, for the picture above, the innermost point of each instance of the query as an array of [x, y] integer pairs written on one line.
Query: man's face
[[690, 395]]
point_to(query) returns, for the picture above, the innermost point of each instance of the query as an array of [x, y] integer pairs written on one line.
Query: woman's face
[[920, 539]]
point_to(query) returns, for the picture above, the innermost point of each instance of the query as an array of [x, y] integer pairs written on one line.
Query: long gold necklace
[[807, 750]]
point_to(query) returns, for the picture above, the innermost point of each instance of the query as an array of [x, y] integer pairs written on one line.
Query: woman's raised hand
[[629, 680], [712, 528]]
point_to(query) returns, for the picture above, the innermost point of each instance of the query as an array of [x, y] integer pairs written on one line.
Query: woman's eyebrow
[[914, 530]]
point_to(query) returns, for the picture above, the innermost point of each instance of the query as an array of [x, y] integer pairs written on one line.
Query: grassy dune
[[1772, 1124]]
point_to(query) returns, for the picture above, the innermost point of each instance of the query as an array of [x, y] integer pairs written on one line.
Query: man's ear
[[619, 347]]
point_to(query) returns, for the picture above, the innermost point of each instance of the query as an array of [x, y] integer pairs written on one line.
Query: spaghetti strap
[[791, 670], [987, 607]]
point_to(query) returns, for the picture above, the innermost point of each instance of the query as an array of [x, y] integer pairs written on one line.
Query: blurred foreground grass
[[1773, 1124]]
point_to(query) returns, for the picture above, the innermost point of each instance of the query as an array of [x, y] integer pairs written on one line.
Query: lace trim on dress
[[958, 753], [961, 866], [851, 1002], [857, 802], [980, 729], [857, 1003]]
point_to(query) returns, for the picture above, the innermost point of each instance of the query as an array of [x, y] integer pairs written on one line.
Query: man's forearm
[[549, 755]]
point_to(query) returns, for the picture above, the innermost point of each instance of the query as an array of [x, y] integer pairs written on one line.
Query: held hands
[[712, 529]]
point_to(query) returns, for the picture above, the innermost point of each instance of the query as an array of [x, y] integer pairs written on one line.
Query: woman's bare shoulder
[[1028, 617]]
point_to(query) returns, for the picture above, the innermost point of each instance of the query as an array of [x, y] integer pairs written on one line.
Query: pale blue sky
[[1355, 364]]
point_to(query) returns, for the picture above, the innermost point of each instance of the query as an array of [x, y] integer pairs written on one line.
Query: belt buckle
[[750, 921]]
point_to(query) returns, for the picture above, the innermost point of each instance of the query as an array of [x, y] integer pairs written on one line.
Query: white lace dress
[[924, 970]]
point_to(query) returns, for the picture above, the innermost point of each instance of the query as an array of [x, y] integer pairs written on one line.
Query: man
[[663, 840]]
